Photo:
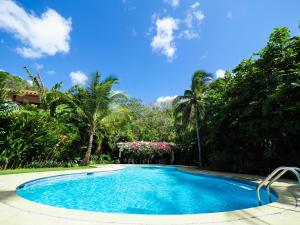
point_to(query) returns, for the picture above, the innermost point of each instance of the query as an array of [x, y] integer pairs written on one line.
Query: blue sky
[[152, 46]]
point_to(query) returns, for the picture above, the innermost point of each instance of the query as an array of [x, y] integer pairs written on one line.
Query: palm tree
[[92, 104], [50, 99], [190, 106], [115, 125]]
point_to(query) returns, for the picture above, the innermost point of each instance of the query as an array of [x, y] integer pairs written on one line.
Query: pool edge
[[286, 204]]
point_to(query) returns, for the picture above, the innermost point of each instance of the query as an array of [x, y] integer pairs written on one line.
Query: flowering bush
[[146, 149]]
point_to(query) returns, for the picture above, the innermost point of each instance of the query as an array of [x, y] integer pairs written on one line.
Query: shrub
[[100, 159], [27, 137]]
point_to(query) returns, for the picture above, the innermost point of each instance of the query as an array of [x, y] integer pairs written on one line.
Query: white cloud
[[51, 72], [29, 82], [164, 100], [198, 15], [220, 73], [2, 70], [193, 15], [163, 42], [195, 5], [188, 34], [78, 77], [48, 34], [173, 3], [188, 20], [168, 29], [192, 21]]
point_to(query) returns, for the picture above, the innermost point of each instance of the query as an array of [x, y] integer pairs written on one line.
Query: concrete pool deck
[[15, 210]]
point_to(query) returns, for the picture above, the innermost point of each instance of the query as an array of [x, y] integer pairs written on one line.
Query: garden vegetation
[[248, 121]]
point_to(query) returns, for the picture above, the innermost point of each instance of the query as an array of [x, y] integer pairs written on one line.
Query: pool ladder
[[274, 176]]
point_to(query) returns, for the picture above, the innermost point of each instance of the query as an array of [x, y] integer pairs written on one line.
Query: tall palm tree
[[189, 108], [92, 104]]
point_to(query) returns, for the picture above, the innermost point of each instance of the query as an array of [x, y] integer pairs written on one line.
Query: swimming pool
[[155, 190]]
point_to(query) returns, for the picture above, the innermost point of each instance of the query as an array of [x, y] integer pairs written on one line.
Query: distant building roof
[[22, 92], [23, 96]]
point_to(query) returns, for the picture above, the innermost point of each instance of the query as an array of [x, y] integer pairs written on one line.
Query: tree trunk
[[172, 158], [198, 141], [87, 155], [98, 149]]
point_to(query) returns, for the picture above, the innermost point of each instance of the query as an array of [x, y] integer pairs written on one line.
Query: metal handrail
[[270, 179], [295, 170]]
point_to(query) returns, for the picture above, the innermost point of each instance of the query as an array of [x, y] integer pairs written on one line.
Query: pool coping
[[17, 210]]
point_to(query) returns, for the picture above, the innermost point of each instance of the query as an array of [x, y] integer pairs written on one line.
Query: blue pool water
[[143, 190]]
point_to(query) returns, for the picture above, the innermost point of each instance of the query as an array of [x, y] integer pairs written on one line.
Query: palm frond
[[200, 78]]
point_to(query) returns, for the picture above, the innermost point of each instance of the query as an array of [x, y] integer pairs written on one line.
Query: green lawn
[[32, 170]]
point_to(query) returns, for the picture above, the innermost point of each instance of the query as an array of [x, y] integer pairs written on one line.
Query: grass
[[32, 170]]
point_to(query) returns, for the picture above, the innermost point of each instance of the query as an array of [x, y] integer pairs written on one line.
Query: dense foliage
[[252, 121], [248, 121], [32, 135]]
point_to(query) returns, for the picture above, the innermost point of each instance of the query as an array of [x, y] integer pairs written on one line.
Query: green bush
[[252, 120], [32, 136], [100, 159]]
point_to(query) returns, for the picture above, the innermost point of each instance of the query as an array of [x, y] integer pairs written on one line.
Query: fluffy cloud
[[220, 73], [164, 100], [173, 3], [198, 15], [168, 29], [78, 77], [163, 42], [193, 15], [195, 5], [48, 34]]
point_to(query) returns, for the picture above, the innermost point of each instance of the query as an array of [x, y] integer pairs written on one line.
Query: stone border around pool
[[15, 210]]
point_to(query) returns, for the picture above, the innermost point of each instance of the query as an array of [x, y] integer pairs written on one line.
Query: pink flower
[[142, 146]]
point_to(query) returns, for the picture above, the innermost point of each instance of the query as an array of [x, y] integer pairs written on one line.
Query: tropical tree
[[258, 106], [189, 108], [115, 127], [50, 99], [92, 104]]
